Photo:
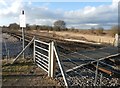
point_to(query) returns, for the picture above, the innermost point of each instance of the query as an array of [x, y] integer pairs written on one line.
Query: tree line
[[60, 25]]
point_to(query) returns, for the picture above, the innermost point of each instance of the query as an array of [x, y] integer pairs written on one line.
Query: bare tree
[[59, 24]]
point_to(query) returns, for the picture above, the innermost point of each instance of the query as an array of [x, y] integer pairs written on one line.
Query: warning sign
[[22, 21]]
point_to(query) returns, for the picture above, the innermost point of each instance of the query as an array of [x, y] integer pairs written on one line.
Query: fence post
[[101, 76], [49, 60], [96, 73], [34, 50], [116, 40], [53, 61]]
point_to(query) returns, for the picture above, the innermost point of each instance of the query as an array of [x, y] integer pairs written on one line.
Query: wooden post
[[116, 40]]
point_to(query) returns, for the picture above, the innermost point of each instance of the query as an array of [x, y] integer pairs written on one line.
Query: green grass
[[20, 66]]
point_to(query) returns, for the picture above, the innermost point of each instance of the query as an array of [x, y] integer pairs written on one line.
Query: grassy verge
[[24, 73]]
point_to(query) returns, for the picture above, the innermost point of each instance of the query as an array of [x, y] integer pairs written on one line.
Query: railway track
[[79, 59], [68, 45]]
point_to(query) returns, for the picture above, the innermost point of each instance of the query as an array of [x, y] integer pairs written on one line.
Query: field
[[77, 35]]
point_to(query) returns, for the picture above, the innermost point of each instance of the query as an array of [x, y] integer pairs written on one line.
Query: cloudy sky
[[75, 14]]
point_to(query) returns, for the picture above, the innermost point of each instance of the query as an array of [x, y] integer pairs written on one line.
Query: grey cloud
[[106, 15], [41, 14], [100, 15]]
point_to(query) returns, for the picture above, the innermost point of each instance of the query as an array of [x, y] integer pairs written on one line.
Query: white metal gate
[[41, 54], [45, 56]]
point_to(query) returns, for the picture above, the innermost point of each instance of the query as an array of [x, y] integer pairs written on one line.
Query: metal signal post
[[23, 37], [23, 25]]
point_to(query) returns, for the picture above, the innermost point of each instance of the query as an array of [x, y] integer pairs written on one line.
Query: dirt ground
[[24, 73], [79, 36]]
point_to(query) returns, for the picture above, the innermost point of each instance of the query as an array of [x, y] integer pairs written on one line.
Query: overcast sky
[[75, 14]]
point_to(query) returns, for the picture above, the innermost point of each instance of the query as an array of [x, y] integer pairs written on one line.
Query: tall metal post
[[23, 37], [49, 61], [53, 61], [34, 51], [23, 25]]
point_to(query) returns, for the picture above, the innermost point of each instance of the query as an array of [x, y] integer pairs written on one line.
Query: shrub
[[113, 30], [99, 31]]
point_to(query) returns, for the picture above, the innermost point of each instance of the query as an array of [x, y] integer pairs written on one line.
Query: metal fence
[[45, 56], [41, 54]]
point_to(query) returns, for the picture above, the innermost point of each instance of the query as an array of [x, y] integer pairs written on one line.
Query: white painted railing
[[48, 62], [41, 54]]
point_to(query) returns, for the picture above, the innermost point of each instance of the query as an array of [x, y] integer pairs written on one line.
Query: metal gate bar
[[40, 58]]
